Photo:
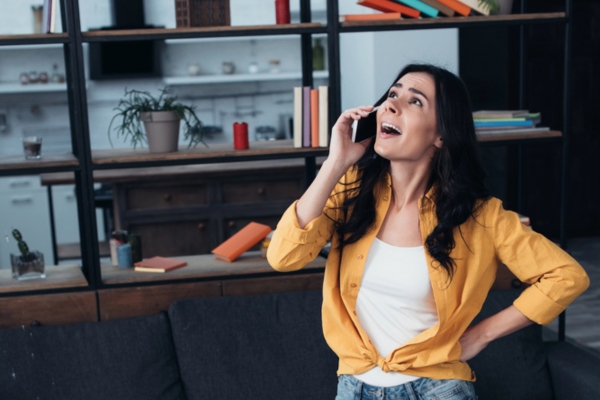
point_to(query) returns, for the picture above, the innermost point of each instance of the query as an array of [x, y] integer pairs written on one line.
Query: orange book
[[247, 237], [314, 117], [159, 264], [371, 17], [457, 6], [387, 6]]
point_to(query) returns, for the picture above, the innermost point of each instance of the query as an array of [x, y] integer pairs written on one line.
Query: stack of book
[[489, 122], [397, 9], [311, 126]]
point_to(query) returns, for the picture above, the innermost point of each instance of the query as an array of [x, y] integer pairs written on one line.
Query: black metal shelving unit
[[73, 39]]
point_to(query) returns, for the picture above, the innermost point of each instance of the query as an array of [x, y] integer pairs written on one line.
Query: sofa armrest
[[574, 371]]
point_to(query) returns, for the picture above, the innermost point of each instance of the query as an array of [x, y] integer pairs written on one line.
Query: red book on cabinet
[[457, 6], [242, 241], [388, 6]]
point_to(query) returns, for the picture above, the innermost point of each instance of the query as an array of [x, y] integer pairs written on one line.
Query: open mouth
[[390, 129]]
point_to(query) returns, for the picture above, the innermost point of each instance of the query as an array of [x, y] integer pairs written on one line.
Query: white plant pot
[[162, 130]]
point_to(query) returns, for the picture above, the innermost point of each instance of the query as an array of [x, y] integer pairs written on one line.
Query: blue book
[[418, 5], [493, 124]]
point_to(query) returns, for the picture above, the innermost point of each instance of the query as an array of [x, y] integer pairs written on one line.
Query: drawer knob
[[201, 226], [167, 197], [261, 191], [231, 224]]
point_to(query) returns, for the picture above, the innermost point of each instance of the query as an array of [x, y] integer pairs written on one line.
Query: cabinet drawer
[[175, 238], [150, 300], [165, 196], [256, 191], [48, 309]]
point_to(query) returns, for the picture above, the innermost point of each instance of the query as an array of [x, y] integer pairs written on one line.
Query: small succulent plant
[[23, 248], [491, 5]]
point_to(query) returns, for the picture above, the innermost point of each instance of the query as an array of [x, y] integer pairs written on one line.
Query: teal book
[[494, 124], [418, 5]]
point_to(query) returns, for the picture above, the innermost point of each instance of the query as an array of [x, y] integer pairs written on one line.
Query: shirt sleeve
[[555, 277], [292, 247]]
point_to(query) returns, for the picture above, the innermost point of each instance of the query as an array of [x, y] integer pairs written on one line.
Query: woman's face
[[406, 121]]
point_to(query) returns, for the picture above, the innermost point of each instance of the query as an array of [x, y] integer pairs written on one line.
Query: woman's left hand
[[472, 343]]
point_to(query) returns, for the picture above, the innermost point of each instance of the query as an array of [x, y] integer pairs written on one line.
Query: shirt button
[[360, 256], [385, 198], [354, 312], [353, 285]]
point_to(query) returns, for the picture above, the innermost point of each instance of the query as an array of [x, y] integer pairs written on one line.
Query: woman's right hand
[[342, 151]]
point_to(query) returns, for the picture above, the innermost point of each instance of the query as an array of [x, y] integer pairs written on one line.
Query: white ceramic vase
[[162, 130]]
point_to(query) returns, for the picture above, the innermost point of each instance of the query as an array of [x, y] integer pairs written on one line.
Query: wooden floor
[[583, 315]]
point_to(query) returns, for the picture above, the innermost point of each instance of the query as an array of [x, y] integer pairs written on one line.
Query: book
[[323, 116], [443, 9], [46, 16], [524, 220], [499, 123], [306, 116], [370, 17], [53, 16], [314, 117], [478, 6], [158, 264], [387, 6], [297, 132], [500, 114], [242, 241], [457, 6], [505, 131], [420, 6]]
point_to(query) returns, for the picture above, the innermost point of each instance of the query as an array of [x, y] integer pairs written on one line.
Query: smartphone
[[365, 128]]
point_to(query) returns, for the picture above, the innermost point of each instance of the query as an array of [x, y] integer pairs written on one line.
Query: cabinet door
[[66, 220], [174, 238], [165, 196]]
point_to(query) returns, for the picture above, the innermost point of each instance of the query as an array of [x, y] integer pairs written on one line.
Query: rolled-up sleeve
[[556, 278]]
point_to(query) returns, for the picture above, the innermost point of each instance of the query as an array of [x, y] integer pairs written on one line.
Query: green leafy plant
[[491, 5], [136, 102], [26, 255]]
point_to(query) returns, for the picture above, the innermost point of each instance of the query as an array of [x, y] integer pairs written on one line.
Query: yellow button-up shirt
[[495, 236]]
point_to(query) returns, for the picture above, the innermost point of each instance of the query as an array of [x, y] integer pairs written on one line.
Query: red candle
[[282, 11], [240, 136]]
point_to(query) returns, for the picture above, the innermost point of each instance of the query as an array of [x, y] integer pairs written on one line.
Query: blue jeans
[[350, 388]]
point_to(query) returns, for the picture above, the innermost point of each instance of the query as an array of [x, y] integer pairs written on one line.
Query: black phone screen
[[365, 127]]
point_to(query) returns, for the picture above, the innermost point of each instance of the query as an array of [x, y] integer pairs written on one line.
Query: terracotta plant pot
[[505, 6], [162, 130]]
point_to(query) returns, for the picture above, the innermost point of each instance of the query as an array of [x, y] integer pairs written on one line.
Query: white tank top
[[395, 303]]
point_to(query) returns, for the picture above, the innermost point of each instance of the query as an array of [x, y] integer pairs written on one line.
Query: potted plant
[[27, 265], [161, 118], [497, 6]]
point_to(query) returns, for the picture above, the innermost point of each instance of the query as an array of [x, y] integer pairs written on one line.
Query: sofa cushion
[[125, 359], [513, 367], [254, 347]]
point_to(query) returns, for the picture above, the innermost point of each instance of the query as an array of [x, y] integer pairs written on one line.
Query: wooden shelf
[[505, 137], [217, 152], [33, 88], [57, 276], [110, 176], [213, 31], [200, 266], [234, 78], [51, 161], [449, 22], [38, 38]]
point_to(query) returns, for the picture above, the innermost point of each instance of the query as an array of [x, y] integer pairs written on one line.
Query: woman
[[416, 241]]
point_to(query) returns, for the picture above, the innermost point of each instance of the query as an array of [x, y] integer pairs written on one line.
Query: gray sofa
[[252, 347]]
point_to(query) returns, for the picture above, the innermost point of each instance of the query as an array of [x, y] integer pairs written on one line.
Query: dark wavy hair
[[456, 173]]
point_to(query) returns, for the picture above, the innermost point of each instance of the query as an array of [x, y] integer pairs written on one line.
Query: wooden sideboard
[[191, 209]]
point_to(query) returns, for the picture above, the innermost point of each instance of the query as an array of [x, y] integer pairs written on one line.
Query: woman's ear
[[439, 142]]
